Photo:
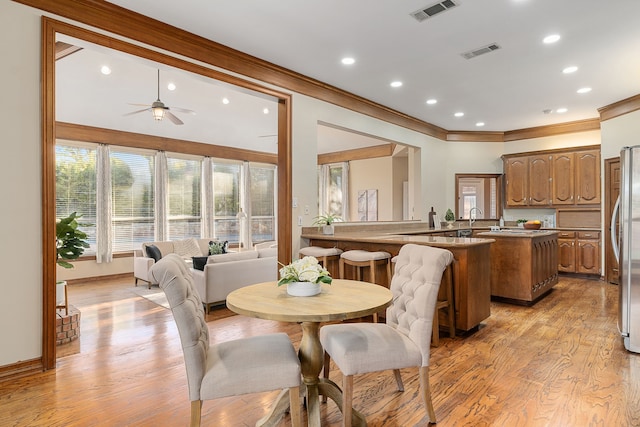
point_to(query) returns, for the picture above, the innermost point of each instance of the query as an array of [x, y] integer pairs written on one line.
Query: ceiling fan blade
[[173, 118], [183, 110], [139, 105], [137, 111]]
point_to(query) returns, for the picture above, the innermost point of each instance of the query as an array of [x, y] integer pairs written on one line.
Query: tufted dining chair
[[404, 341], [243, 366]]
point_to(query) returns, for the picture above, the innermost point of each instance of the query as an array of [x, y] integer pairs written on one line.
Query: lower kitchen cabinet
[[579, 252]]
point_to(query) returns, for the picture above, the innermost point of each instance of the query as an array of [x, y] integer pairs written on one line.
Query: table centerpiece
[[303, 277]]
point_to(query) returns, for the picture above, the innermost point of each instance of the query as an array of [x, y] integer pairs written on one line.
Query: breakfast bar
[[472, 266]]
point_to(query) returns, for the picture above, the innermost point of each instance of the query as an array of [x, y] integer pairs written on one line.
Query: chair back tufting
[[415, 285], [175, 280]]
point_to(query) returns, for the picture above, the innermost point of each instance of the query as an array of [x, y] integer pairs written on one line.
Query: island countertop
[[517, 233], [472, 266]]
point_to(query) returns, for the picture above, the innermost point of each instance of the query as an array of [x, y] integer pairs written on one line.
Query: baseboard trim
[[21, 369], [99, 278]]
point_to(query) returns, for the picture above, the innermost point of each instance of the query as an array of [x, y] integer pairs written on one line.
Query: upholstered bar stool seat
[[322, 254], [362, 259]]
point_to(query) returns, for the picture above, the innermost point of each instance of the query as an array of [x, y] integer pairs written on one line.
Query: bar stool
[[362, 259], [324, 255], [447, 303]]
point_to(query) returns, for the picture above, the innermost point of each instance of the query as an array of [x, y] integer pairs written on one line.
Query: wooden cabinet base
[[523, 269]]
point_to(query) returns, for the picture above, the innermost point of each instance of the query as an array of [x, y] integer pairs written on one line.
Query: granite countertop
[[401, 239], [517, 233]]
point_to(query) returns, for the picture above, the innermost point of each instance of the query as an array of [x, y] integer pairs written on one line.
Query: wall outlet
[[299, 221]]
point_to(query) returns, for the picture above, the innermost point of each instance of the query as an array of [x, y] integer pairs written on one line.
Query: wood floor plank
[[560, 362]]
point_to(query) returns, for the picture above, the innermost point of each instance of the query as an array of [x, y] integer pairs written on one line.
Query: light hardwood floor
[[558, 363]]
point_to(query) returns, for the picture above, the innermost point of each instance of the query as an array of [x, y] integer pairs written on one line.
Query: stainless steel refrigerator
[[626, 246]]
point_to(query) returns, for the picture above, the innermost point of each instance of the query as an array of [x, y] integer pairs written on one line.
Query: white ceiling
[[507, 89]]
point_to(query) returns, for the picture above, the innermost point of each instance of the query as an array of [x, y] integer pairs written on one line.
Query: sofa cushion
[[268, 252], [232, 256], [199, 262], [153, 252], [187, 248], [217, 248]]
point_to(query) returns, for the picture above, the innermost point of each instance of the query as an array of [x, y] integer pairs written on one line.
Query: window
[[133, 199], [76, 187], [226, 200], [262, 194], [183, 197], [333, 190]]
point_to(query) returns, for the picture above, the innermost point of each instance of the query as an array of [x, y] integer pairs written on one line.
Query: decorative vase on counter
[[327, 229], [450, 224], [303, 289]]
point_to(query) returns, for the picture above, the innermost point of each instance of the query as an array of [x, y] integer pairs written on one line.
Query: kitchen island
[[471, 272], [524, 264]]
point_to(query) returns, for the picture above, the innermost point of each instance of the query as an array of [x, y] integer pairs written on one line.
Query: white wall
[[619, 132], [20, 191]]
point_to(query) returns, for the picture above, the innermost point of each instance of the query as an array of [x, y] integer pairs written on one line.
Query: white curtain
[[160, 185], [245, 202], [207, 228], [345, 191], [323, 193], [104, 229]]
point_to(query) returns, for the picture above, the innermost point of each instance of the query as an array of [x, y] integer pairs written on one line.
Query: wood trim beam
[[126, 23], [552, 130], [466, 136], [65, 49], [49, 253], [76, 132], [619, 108], [385, 150]]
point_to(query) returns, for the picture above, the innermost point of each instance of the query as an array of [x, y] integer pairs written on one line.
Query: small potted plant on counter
[[450, 218], [326, 221]]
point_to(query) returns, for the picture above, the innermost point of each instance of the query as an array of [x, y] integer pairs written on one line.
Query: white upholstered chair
[[248, 365], [404, 340]]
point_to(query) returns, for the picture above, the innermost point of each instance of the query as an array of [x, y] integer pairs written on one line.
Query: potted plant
[[304, 276], [70, 244], [450, 218], [326, 221]]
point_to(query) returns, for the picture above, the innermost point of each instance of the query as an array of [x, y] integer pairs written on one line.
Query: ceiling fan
[[159, 110]]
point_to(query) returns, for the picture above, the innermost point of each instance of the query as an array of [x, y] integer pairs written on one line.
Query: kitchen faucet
[[471, 217]]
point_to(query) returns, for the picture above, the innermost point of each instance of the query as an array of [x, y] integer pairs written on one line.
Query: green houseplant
[[450, 218], [70, 241], [326, 221], [70, 244]]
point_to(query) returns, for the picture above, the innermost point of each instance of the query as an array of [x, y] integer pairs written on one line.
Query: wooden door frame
[[50, 28], [608, 163]]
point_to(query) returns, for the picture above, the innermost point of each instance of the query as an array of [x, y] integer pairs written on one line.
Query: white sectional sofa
[[221, 274], [227, 272], [142, 262]]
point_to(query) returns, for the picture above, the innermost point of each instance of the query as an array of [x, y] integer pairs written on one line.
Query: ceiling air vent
[[432, 10], [480, 51]]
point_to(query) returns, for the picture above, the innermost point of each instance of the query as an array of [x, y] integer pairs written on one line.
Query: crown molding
[[619, 108], [552, 130]]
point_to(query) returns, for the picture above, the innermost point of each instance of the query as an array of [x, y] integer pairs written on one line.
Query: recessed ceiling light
[[584, 90], [561, 110], [265, 111], [459, 114], [171, 86], [432, 101], [480, 124], [105, 70], [348, 61], [225, 100], [396, 84], [571, 69], [551, 39]]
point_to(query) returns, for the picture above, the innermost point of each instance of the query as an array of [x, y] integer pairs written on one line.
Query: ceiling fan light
[[158, 113]]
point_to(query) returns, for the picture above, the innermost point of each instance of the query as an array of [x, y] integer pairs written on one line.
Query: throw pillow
[[199, 262], [187, 248], [153, 252], [217, 248]]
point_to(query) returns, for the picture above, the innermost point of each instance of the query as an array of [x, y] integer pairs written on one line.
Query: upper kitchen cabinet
[[553, 178], [516, 171]]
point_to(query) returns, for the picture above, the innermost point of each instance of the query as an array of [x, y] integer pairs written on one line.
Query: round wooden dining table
[[342, 300]]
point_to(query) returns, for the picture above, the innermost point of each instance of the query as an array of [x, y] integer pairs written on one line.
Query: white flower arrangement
[[305, 269]]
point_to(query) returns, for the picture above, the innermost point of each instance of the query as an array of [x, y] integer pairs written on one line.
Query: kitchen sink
[[464, 233]]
